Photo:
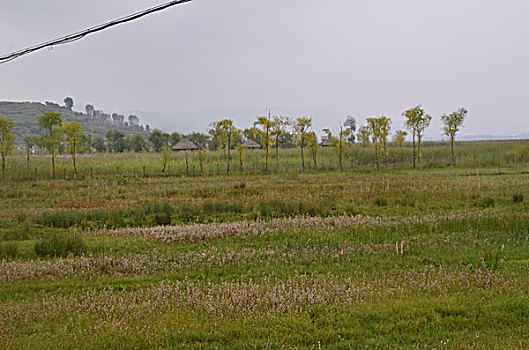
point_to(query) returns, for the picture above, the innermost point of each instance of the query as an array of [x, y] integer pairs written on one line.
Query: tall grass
[[435, 154]]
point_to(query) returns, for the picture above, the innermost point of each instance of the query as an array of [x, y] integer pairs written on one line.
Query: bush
[[518, 198], [486, 202], [60, 246], [275, 208], [17, 234], [60, 219], [8, 251], [381, 202], [240, 186]]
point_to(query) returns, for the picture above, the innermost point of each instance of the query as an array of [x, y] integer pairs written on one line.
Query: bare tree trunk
[[302, 158], [74, 166], [377, 156], [53, 163], [341, 145], [27, 158], [414, 154], [229, 155], [419, 141], [3, 164], [187, 165], [74, 156], [277, 152], [267, 149], [452, 141]]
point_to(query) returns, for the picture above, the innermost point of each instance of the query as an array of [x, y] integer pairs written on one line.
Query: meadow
[[432, 257]]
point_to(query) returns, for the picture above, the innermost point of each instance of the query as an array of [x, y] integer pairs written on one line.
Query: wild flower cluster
[[206, 232], [122, 308], [149, 264]]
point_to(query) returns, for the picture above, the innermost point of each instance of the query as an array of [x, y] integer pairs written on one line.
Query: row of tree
[[416, 121], [270, 132]]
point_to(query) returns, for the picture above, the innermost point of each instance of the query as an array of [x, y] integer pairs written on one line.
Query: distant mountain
[[243, 117], [25, 117]]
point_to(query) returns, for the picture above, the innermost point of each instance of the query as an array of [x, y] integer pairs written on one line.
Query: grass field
[[477, 154], [433, 257]]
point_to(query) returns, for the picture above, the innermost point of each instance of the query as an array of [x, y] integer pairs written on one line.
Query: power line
[[79, 35]]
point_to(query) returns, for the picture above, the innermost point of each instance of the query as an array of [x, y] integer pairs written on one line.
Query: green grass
[[458, 279]]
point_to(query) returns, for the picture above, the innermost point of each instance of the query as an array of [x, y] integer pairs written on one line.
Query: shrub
[[407, 202], [8, 251], [60, 246], [16, 234], [60, 219], [518, 198], [486, 202], [381, 202]]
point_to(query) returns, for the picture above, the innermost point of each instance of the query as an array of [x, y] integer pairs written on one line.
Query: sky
[[335, 57]]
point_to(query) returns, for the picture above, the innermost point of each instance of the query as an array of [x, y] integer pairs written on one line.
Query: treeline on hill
[[25, 115]]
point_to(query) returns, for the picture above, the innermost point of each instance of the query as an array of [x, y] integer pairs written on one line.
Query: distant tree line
[[269, 132]]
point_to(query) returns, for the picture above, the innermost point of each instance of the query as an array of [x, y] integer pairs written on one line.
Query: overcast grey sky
[[358, 57]]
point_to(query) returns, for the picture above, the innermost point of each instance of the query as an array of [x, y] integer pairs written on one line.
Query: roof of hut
[[326, 143], [251, 144], [185, 145]]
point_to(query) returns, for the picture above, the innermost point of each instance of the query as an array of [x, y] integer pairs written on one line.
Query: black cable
[[79, 35]]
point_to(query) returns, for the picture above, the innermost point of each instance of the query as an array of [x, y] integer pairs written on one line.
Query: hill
[[25, 117]]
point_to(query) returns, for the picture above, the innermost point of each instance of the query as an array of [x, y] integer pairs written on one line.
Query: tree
[[328, 134], [6, 140], [253, 134], [399, 138], [174, 138], [90, 110], [51, 122], [73, 132], [416, 122], [68, 103], [279, 127], [202, 158], [199, 139], [350, 126], [452, 124], [136, 143], [314, 147], [379, 128], [241, 152], [385, 128], [301, 127], [158, 139], [364, 136], [29, 142], [166, 156], [99, 144], [86, 143], [339, 142], [264, 126], [115, 141], [226, 133], [134, 120]]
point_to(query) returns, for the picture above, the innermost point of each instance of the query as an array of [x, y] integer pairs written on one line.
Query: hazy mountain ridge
[[25, 117], [245, 116]]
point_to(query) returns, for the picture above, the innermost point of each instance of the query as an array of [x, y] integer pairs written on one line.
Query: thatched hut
[[185, 145], [251, 144], [326, 143]]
